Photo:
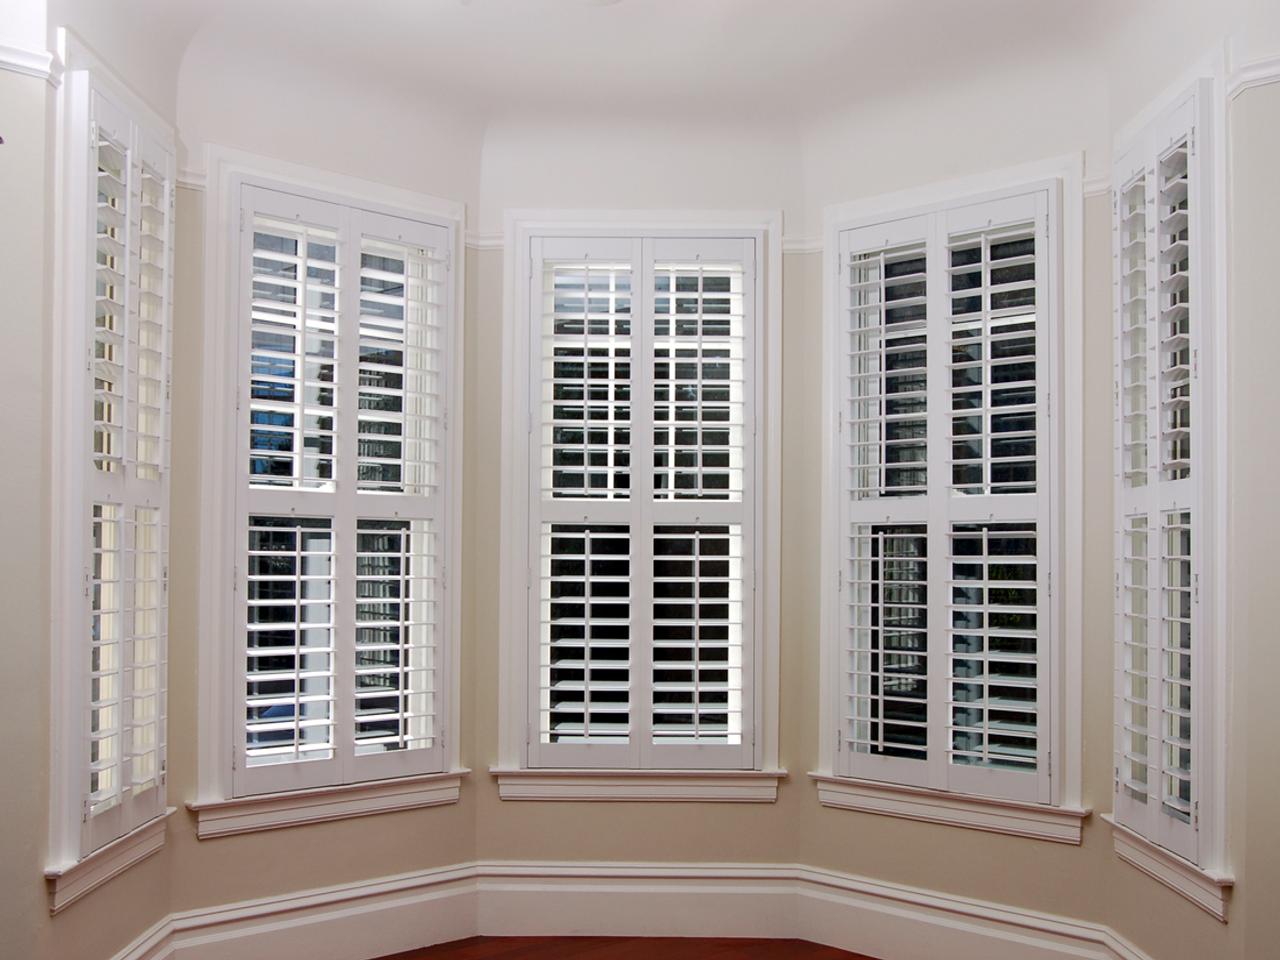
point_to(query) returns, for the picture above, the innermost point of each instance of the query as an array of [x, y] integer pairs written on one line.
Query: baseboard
[[496, 898]]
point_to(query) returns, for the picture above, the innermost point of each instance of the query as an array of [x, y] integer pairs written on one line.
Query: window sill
[[711, 786], [69, 883], [223, 818], [1034, 820], [1207, 889]]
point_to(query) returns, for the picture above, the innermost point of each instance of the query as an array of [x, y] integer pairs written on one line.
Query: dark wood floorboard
[[626, 948]]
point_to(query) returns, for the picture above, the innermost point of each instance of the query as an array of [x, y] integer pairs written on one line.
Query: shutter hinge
[[1195, 587], [448, 260], [444, 418], [1117, 586], [88, 583], [528, 734], [444, 576], [1191, 142], [839, 740], [530, 266], [1195, 364], [242, 219], [1117, 778], [1048, 583], [1195, 814], [235, 579], [165, 578], [84, 809], [1048, 762]]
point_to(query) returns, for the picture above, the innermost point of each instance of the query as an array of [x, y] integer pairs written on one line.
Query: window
[[642, 494], [1168, 703], [342, 494], [114, 345], [944, 621]]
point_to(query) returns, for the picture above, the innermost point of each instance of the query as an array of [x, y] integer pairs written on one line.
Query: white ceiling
[[725, 59]]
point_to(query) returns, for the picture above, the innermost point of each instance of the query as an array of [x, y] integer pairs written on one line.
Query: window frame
[[83, 853], [220, 799], [1055, 814], [518, 778]]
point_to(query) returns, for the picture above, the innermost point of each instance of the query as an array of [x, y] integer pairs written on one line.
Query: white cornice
[[31, 63], [1255, 74]]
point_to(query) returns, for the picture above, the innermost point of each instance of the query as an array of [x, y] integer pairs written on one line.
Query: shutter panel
[[344, 381], [945, 516], [127, 470], [649, 671], [1161, 307]]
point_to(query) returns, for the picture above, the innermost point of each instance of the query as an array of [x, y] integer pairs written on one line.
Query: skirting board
[[374, 918]]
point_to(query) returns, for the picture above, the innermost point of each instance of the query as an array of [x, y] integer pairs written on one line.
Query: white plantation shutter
[[642, 498], [946, 499], [1162, 223], [124, 516], [344, 373]]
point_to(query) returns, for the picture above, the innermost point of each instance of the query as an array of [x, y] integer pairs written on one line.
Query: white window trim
[[226, 169], [1208, 889], [68, 884], [268, 811], [1207, 883], [511, 772], [1066, 734], [70, 871]]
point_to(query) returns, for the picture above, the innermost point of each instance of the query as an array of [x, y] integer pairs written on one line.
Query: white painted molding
[[1096, 187], [32, 63], [1209, 890], [1034, 820], [802, 244], [500, 898], [724, 786], [192, 179], [484, 241], [222, 818], [69, 883], [493, 241], [1255, 74]]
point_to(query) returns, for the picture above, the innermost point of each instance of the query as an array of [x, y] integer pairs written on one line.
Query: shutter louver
[[993, 361], [106, 676], [295, 365], [1136, 660], [697, 634], [888, 337], [110, 304], [400, 375], [699, 381], [1174, 316], [1176, 640], [888, 629], [395, 636], [290, 644], [994, 643], [1133, 307], [585, 671], [586, 407]]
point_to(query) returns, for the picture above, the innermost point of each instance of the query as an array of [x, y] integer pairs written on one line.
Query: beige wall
[[1086, 882], [1254, 520]]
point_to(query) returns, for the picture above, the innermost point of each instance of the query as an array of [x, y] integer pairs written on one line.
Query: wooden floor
[[625, 948]]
